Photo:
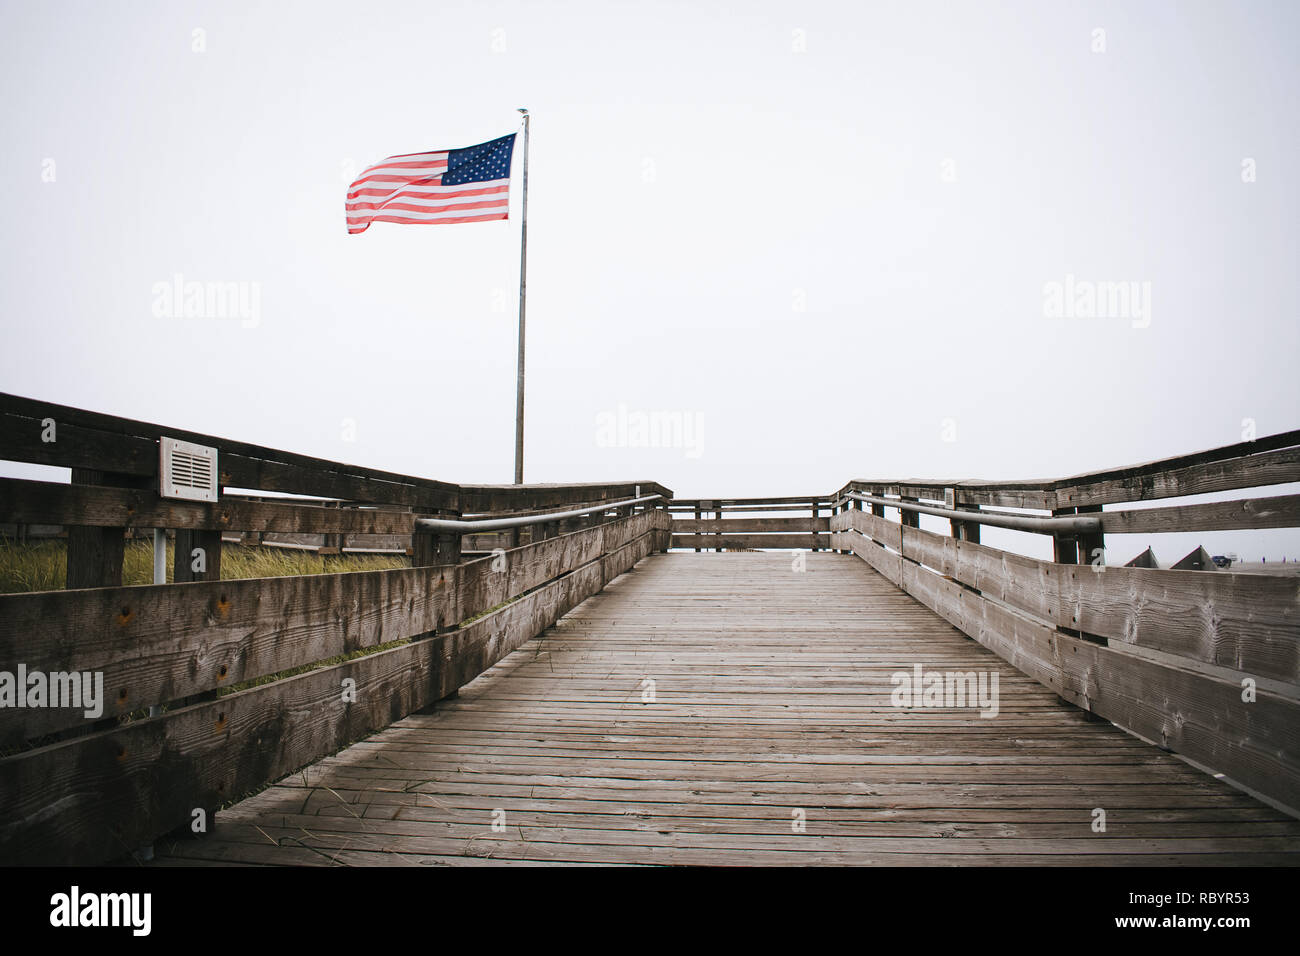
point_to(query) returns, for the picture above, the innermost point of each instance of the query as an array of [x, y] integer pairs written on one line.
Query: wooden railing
[[1202, 663], [744, 524], [173, 742]]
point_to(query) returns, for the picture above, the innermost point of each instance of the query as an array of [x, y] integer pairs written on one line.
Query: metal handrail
[[998, 519], [499, 524]]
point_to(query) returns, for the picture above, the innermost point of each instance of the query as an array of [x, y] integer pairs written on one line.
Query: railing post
[[435, 548], [1076, 548], [331, 543], [850, 505], [429, 548], [94, 554], [718, 514], [197, 556], [1065, 545], [835, 510], [962, 530], [699, 516], [1092, 544], [909, 519], [813, 524]]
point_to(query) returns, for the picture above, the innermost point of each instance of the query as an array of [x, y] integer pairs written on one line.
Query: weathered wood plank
[[123, 788], [482, 499], [41, 502], [751, 718], [1194, 714], [95, 798], [888, 533], [1247, 622], [1280, 511], [160, 643], [108, 443], [749, 525], [1161, 480], [742, 541], [156, 644]]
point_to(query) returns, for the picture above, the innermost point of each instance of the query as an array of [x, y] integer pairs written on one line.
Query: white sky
[[693, 179]]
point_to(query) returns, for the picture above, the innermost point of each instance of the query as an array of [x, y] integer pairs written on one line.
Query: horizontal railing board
[[1242, 458], [1197, 715], [888, 563], [1267, 468], [76, 447], [257, 474], [1040, 495], [888, 533], [1278, 511], [124, 787], [726, 503], [481, 586], [741, 509], [496, 499], [1200, 716], [159, 643], [748, 525], [53, 503], [1248, 622], [480, 644], [1266, 461], [756, 541], [96, 798], [112, 444]]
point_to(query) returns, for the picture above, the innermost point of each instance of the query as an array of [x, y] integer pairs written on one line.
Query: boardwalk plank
[[771, 698]]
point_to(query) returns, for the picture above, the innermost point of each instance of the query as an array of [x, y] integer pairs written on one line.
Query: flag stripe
[[430, 210], [358, 228], [359, 210], [372, 196], [440, 194], [383, 180], [409, 188]]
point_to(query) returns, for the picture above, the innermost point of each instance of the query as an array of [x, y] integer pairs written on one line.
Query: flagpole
[[523, 291]]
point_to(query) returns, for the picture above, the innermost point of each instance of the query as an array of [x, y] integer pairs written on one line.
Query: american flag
[[450, 185]]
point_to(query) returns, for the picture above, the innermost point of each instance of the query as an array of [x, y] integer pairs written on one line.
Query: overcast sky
[[826, 234]]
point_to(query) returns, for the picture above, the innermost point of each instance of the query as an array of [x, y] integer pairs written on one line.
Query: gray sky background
[[819, 230]]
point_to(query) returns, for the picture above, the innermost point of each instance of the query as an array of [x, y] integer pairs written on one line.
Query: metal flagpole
[[523, 286]]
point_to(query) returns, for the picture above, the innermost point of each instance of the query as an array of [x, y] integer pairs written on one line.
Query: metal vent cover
[[187, 471]]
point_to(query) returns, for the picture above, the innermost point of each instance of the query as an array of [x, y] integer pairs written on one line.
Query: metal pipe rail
[[1072, 524], [500, 524]]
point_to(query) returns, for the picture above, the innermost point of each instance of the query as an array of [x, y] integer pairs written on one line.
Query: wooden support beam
[[966, 530], [95, 554], [197, 556], [434, 548], [1092, 544], [1065, 546]]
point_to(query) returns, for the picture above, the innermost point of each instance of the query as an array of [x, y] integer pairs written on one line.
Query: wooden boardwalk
[[770, 739]]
